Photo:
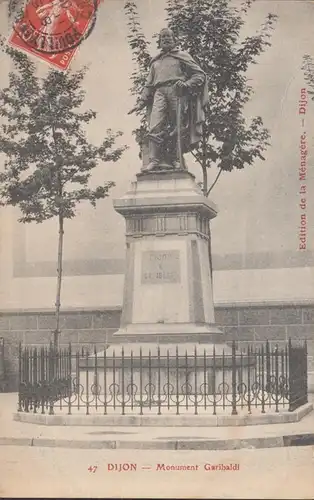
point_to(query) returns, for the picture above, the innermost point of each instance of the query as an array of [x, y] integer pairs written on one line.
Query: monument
[[168, 281], [168, 299]]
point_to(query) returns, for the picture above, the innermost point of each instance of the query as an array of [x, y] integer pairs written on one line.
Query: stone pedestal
[[168, 282]]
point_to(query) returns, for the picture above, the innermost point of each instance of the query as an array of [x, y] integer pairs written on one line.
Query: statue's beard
[[167, 48]]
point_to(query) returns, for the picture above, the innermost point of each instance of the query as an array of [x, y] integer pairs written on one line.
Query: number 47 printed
[[92, 468]]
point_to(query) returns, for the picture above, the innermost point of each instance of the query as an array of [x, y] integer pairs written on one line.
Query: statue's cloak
[[197, 101]]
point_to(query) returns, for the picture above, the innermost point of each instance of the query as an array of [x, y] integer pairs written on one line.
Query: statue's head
[[166, 40]]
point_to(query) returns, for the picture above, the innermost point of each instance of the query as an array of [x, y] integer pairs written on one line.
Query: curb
[[204, 444], [164, 420]]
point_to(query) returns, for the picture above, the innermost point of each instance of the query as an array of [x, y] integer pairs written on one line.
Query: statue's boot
[[180, 165], [154, 156]]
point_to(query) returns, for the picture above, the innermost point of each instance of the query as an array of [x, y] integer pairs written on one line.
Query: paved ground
[[281, 473], [158, 438], [45, 466]]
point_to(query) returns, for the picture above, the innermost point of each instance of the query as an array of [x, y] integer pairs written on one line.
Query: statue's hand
[[134, 110], [181, 87], [137, 108], [181, 84]]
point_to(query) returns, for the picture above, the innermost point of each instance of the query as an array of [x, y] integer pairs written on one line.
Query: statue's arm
[[147, 93], [195, 75], [148, 90]]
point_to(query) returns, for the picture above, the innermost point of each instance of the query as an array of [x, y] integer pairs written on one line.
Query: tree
[[210, 30], [141, 57], [48, 158]]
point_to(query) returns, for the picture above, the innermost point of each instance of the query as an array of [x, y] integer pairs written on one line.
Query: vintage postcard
[[156, 249]]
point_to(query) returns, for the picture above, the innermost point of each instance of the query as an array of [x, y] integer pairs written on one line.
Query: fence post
[[223, 381], [105, 381], [51, 365], [114, 378], [195, 380], [168, 380], [186, 383], [234, 379], [262, 375], [305, 372], [249, 378], [77, 378], [96, 382], [267, 367], [122, 380], [177, 380], [276, 377], [241, 391], [69, 378], [132, 383], [141, 382], [43, 380], [30, 379], [290, 375], [35, 387], [150, 379], [20, 378], [158, 381], [87, 380], [205, 380], [214, 384]]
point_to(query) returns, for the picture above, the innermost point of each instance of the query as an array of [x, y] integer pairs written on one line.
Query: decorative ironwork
[[203, 381], [2, 368]]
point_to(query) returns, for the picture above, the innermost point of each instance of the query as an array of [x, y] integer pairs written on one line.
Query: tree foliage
[[141, 58], [211, 31], [48, 158]]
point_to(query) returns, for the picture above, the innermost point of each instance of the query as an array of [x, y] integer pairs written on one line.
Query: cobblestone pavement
[[51, 472]]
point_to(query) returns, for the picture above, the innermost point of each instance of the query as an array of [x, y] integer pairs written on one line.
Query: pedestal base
[[169, 333], [177, 369], [152, 371], [168, 282]]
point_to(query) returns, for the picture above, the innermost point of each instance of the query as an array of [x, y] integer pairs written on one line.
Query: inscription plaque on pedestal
[[160, 267]]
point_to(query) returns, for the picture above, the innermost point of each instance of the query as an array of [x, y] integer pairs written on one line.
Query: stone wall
[[256, 324], [88, 329], [94, 328]]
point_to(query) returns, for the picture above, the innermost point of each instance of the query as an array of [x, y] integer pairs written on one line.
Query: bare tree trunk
[[56, 333], [204, 166], [205, 180], [206, 192], [210, 253], [59, 281], [214, 183]]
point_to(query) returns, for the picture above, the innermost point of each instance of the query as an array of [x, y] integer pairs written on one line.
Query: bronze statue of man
[[175, 95]]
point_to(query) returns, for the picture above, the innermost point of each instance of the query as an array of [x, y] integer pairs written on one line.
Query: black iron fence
[[2, 369], [162, 380]]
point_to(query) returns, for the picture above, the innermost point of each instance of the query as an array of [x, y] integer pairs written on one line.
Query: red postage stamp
[[54, 29]]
